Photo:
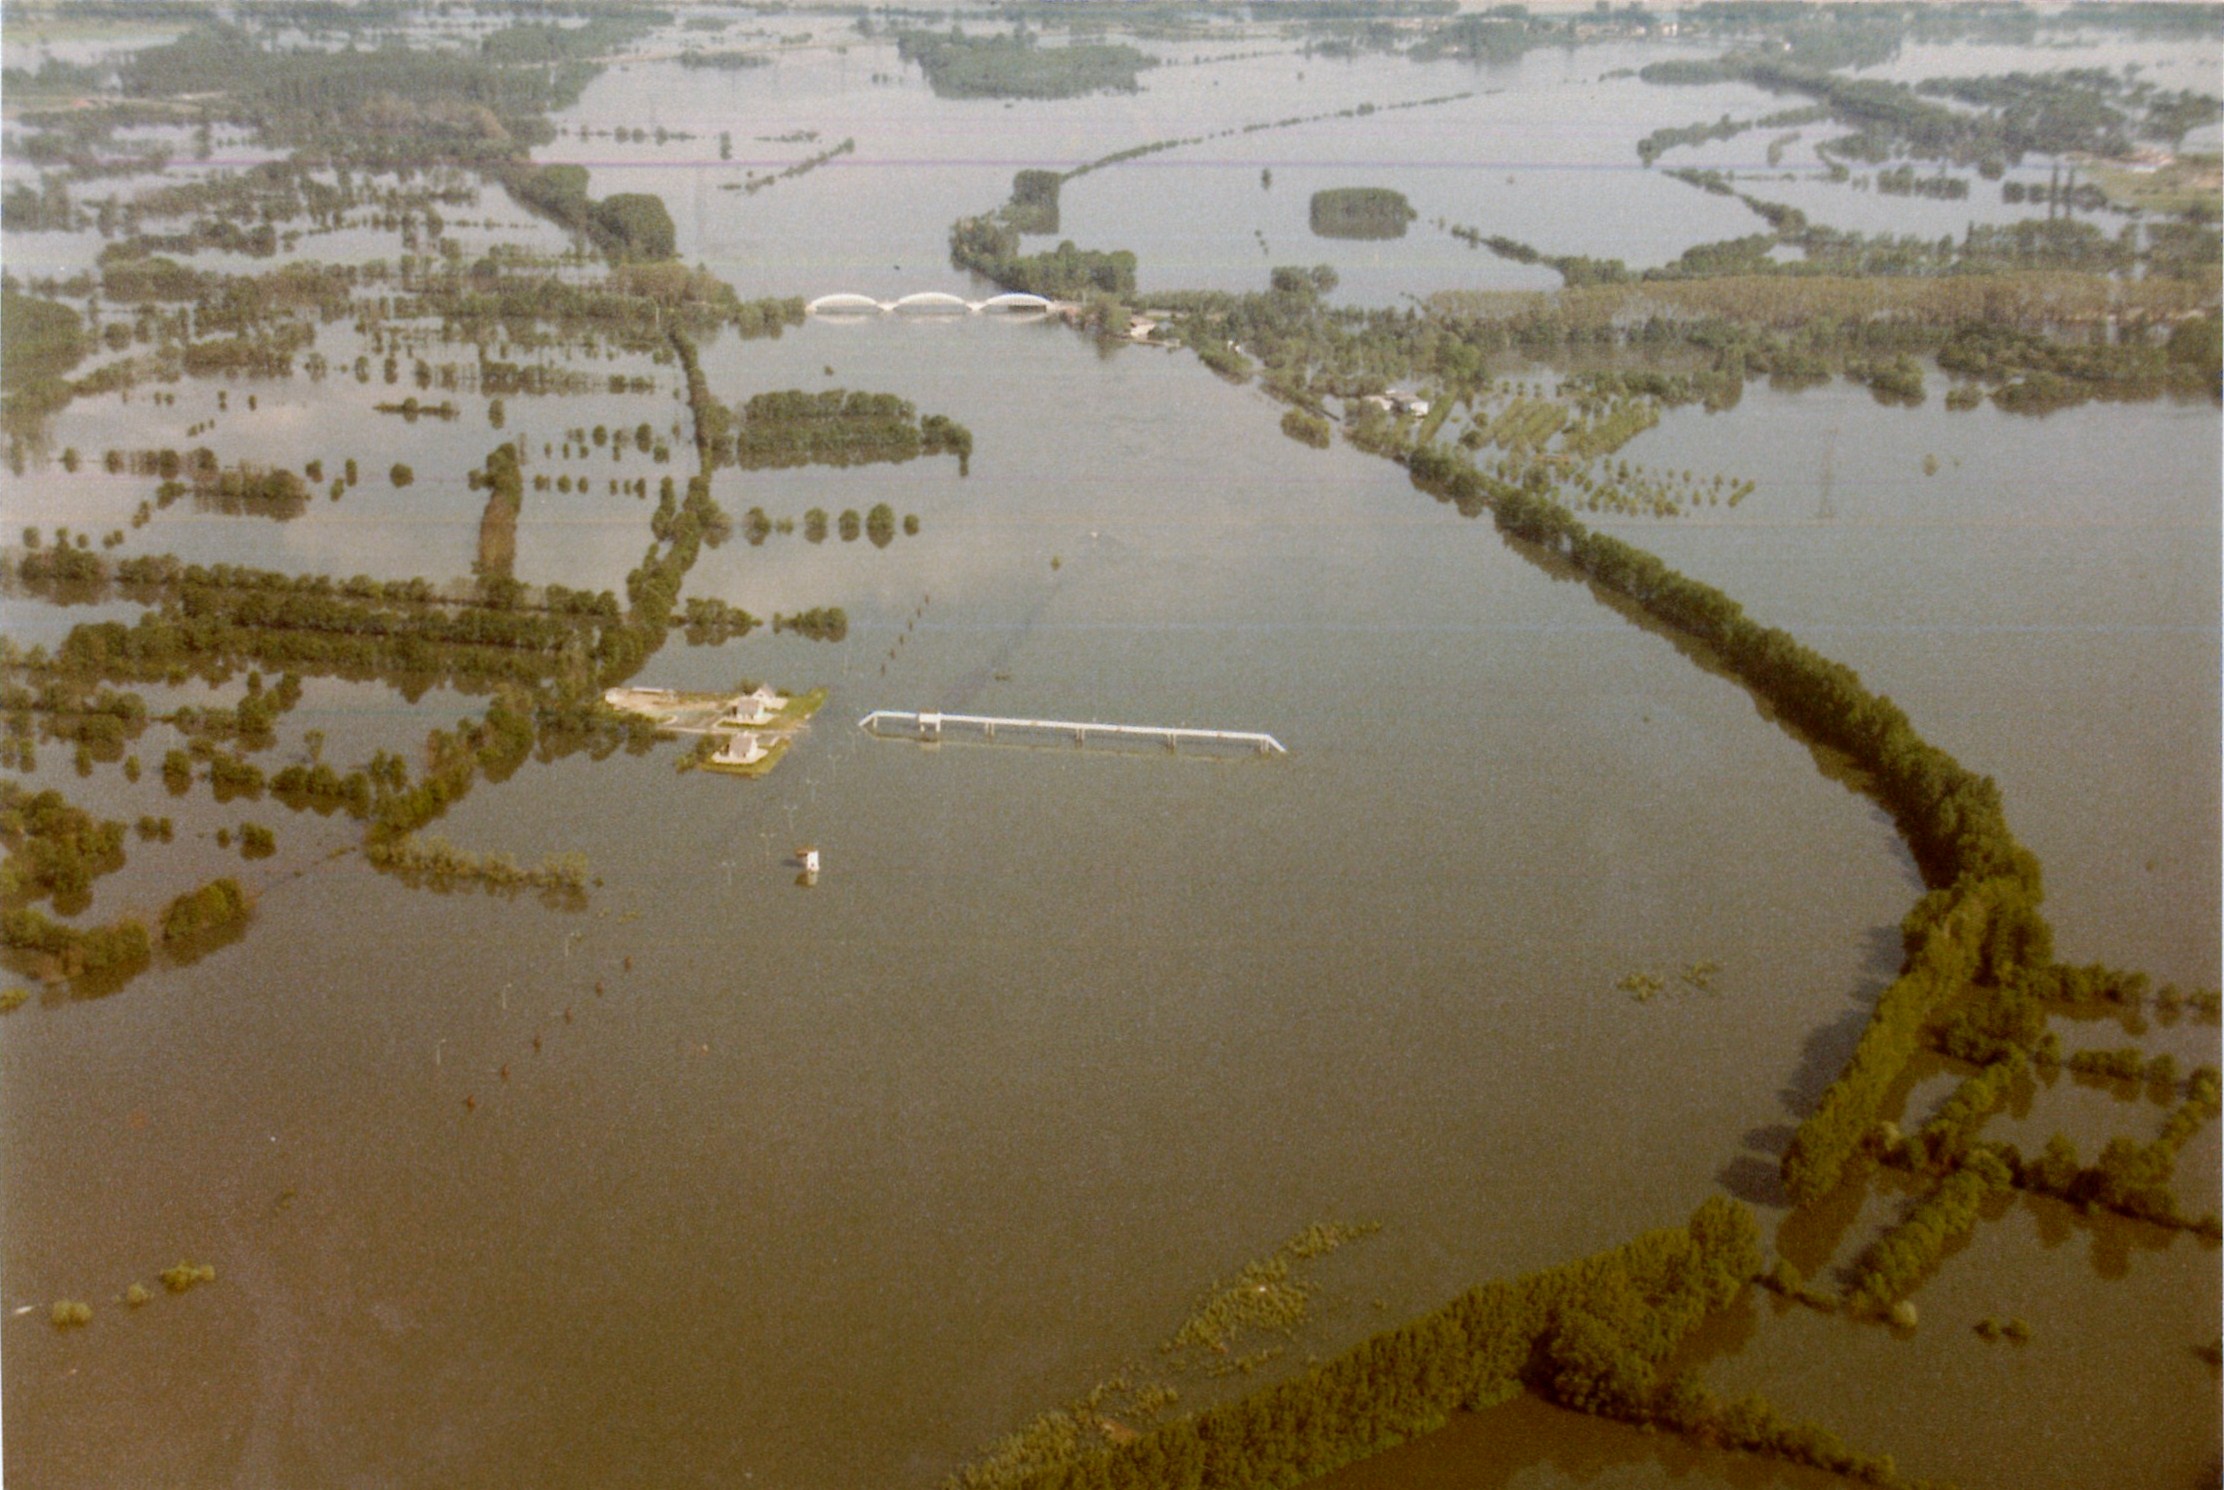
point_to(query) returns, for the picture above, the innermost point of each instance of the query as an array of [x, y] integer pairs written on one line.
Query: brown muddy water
[[833, 1186]]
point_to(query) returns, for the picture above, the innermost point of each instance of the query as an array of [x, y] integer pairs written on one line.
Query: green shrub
[[216, 905]]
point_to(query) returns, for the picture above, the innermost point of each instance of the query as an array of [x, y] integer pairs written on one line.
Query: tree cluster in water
[[1359, 212], [836, 427], [1011, 65]]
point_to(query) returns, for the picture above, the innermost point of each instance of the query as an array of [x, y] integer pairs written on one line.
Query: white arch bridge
[[927, 301]]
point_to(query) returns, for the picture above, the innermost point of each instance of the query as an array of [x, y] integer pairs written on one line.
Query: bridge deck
[[928, 725], [847, 301]]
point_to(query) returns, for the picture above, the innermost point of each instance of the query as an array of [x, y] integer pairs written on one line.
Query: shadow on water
[[1826, 1049], [1721, 1335], [2114, 1239], [1752, 1176], [1811, 1235]]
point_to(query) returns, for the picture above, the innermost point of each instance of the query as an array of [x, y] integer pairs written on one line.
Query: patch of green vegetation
[[2131, 1178], [433, 860], [990, 248], [504, 479], [1015, 65], [1640, 986], [55, 848], [725, 61], [2092, 111], [1903, 1255], [709, 622], [1360, 212], [213, 909], [1306, 429], [837, 428], [1593, 1335], [1034, 203], [1652, 146], [40, 342], [185, 1275], [1269, 1296], [1265, 1296], [1902, 181], [376, 107], [753, 183], [49, 948], [823, 623], [2190, 185], [627, 226]]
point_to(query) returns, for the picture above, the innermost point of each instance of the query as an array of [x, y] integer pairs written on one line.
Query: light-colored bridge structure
[[928, 727], [847, 302]]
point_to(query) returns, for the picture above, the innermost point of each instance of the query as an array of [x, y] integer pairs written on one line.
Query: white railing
[[849, 301], [929, 725]]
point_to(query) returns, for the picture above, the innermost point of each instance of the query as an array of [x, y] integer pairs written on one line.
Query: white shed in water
[[754, 707], [742, 748]]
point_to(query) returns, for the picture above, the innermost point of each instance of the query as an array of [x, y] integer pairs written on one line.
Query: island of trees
[[1360, 212], [837, 427], [1015, 65]]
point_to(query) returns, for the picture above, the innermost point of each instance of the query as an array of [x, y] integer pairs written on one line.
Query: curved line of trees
[[1981, 916], [1595, 1335]]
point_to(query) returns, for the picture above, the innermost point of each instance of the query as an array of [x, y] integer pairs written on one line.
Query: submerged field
[[541, 1122]]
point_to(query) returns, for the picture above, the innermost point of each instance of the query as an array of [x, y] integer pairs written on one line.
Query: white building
[[742, 748], [754, 707]]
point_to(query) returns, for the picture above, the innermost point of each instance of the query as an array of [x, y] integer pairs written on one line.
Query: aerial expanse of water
[[787, 1186]]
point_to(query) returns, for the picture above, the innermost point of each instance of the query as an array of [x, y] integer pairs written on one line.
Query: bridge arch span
[[845, 300], [1014, 300], [938, 300]]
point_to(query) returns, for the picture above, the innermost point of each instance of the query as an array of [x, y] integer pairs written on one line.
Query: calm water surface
[[833, 1186], [1061, 1034]]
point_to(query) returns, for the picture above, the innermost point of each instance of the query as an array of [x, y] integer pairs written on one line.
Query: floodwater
[[2042, 602], [782, 1186]]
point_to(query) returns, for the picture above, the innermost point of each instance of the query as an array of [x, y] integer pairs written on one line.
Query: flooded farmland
[[543, 1122]]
